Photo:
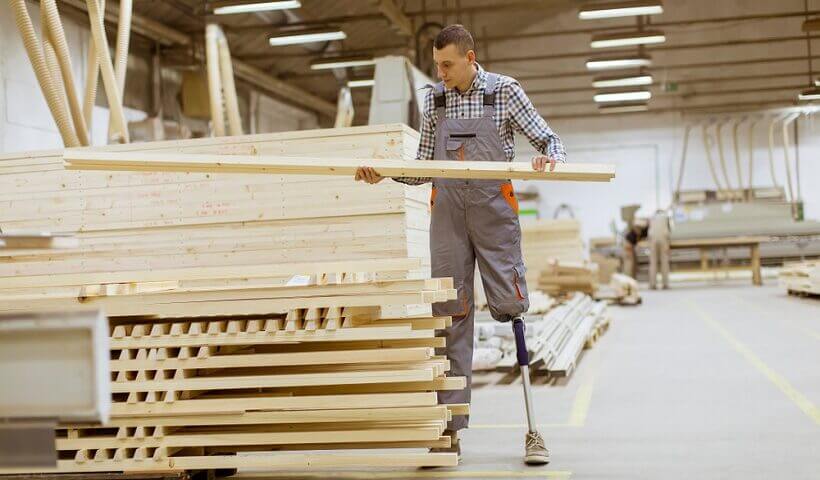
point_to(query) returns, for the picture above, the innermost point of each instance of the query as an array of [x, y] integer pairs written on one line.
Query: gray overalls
[[473, 220]]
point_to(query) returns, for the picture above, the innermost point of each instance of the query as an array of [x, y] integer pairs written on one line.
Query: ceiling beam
[[708, 108], [400, 22], [250, 74]]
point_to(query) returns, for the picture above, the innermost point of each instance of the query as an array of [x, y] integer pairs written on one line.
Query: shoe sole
[[537, 460]]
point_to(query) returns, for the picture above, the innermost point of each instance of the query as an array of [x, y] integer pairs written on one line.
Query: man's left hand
[[539, 164]]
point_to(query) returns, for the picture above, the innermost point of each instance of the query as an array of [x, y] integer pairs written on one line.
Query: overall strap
[[489, 94], [439, 99]]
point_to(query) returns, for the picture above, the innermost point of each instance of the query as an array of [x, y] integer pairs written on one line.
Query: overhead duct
[[221, 86], [41, 71], [107, 69]]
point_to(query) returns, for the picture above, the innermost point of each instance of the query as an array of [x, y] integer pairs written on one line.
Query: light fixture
[[341, 62], [361, 83], [620, 9], [623, 96], [307, 37], [623, 107], [633, 80], [228, 8], [810, 94], [618, 62], [627, 39]]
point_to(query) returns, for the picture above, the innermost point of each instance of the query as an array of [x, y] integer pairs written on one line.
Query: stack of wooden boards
[[203, 373], [621, 289], [555, 340], [138, 221], [545, 242], [560, 278], [801, 278]]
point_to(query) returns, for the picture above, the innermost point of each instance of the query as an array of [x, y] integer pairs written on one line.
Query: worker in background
[[471, 115], [659, 248], [637, 230]]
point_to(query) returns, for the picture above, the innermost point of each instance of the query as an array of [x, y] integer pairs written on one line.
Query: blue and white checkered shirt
[[513, 112]]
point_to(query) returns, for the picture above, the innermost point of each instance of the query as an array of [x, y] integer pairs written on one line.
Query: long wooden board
[[84, 159]]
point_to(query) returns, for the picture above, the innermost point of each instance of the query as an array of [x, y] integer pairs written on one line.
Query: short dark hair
[[455, 35]]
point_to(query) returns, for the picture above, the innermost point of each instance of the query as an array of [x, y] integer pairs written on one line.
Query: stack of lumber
[[559, 278], [545, 241], [563, 334], [801, 278], [202, 375], [142, 221], [621, 289], [555, 340]]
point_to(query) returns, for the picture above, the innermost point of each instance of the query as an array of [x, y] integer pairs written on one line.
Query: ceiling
[[717, 55]]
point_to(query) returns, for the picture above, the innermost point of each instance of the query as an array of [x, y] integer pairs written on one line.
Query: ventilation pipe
[[221, 86], [56, 35], [41, 71], [95, 17], [121, 52]]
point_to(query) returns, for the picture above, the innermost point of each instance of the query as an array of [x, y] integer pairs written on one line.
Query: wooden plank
[[37, 241], [274, 461], [85, 159], [718, 242], [216, 406], [278, 359]]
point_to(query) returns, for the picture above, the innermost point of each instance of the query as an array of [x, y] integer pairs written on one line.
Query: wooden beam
[[397, 18], [83, 159]]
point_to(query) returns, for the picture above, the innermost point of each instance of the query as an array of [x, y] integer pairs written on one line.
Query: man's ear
[[471, 56]]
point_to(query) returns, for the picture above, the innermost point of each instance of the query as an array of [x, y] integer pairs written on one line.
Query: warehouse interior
[[194, 285]]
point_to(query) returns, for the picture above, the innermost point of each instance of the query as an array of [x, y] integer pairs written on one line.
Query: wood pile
[[555, 340], [560, 278], [801, 278], [289, 369], [143, 221], [544, 242], [621, 289]]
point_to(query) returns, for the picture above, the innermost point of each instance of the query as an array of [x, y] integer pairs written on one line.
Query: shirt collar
[[479, 82]]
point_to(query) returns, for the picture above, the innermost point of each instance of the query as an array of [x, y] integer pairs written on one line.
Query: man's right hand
[[368, 174]]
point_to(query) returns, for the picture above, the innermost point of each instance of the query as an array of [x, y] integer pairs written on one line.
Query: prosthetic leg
[[536, 452]]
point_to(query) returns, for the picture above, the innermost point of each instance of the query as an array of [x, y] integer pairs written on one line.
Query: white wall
[[26, 122], [646, 150]]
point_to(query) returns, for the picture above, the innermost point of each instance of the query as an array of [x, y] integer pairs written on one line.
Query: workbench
[[706, 245]]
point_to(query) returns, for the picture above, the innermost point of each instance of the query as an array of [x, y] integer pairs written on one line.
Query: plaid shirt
[[513, 111]]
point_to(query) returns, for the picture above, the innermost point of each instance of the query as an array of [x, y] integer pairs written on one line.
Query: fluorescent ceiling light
[[229, 9], [620, 62], [627, 39], [623, 107], [620, 9], [630, 96], [307, 37], [341, 62], [361, 83], [623, 81], [810, 94]]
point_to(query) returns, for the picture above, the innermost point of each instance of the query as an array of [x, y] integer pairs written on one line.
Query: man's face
[[453, 67]]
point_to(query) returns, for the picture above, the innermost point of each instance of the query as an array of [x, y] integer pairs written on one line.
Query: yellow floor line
[[802, 402], [583, 399], [395, 475]]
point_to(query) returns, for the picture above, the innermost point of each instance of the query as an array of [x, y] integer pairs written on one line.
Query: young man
[[471, 115]]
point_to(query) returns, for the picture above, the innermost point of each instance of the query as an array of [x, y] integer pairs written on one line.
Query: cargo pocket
[[509, 196], [519, 281]]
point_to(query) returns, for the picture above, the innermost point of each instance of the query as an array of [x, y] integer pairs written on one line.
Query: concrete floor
[[704, 381]]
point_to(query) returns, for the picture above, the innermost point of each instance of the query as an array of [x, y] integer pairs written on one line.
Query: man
[[659, 249], [471, 115]]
